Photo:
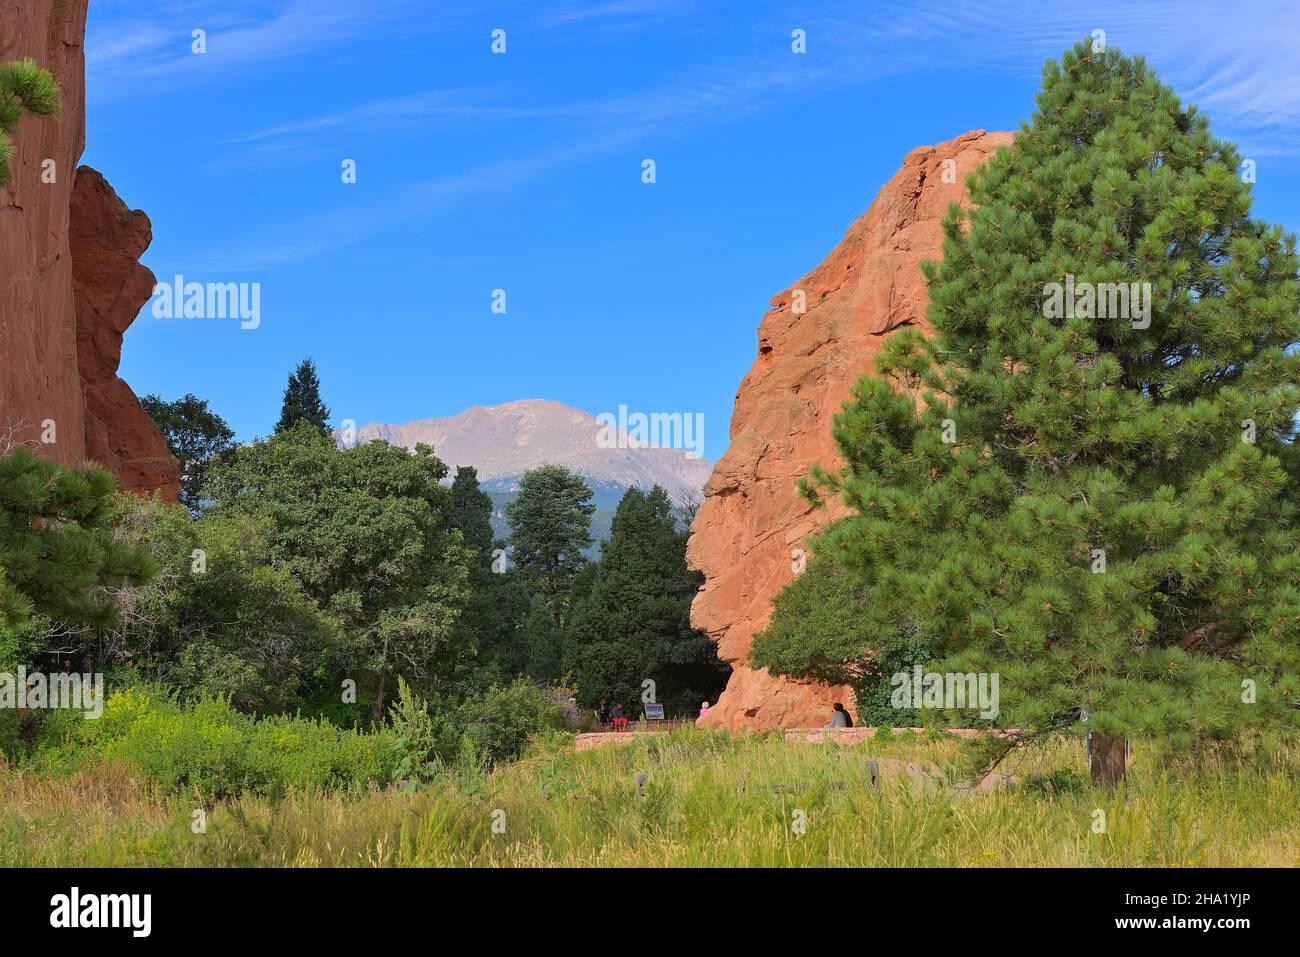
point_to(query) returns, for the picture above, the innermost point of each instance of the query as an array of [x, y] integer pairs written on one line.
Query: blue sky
[[522, 172]]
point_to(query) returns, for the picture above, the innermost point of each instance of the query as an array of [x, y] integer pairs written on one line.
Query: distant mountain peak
[[504, 441]]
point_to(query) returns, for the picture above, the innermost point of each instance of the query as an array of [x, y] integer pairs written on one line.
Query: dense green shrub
[[474, 734], [220, 619], [17, 645], [414, 734], [500, 724], [209, 749], [820, 629], [874, 696]]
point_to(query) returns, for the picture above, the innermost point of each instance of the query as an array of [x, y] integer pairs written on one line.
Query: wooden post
[[1108, 764]]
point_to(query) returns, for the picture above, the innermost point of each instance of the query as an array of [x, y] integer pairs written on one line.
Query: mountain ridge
[[503, 441]]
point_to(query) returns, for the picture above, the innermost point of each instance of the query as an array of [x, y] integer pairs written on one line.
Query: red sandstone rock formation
[[752, 517], [111, 286], [39, 380], [70, 282]]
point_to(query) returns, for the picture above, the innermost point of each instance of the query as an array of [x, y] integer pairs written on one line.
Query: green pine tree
[[471, 512], [499, 601], [57, 550], [302, 400], [27, 88], [632, 622], [1101, 508], [550, 526], [540, 642]]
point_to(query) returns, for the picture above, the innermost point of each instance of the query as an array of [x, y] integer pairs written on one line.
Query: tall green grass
[[211, 751], [709, 799]]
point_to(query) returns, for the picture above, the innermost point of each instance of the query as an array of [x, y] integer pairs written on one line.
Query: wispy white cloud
[[126, 52], [337, 228], [592, 128], [639, 11], [411, 111], [1241, 68], [1238, 62]]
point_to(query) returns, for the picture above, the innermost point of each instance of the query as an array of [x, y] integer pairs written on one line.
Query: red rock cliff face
[[752, 518], [110, 286], [39, 380], [70, 282]]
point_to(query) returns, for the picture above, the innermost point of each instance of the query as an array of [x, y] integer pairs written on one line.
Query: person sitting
[[616, 718], [840, 718]]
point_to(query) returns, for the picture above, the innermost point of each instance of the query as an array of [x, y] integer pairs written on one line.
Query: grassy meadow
[[709, 799]]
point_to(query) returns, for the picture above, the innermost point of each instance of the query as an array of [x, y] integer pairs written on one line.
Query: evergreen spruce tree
[[499, 601], [540, 643], [633, 620], [28, 88], [57, 550], [471, 512], [302, 400], [1098, 503], [550, 526]]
